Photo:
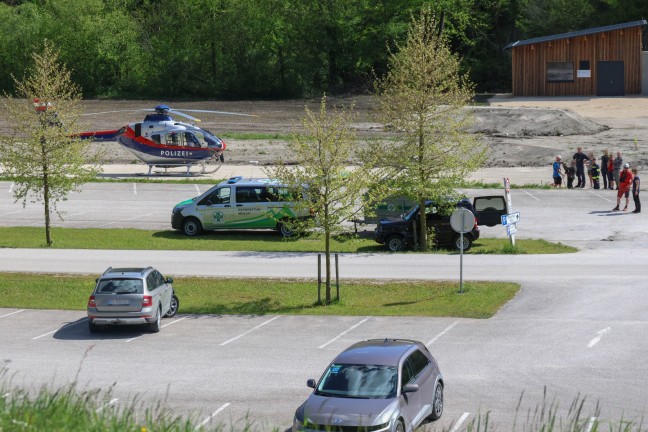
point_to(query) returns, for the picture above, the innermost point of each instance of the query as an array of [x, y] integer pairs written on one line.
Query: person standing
[[580, 159], [611, 172], [571, 173], [625, 181], [618, 163], [635, 190], [595, 173], [557, 173], [605, 160]]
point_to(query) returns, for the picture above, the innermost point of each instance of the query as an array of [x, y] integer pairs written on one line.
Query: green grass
[[259, 241], [275, 296]]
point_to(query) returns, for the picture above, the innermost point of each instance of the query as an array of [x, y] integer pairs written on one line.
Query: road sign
[[510, 219], [511, 229], [462, 220]]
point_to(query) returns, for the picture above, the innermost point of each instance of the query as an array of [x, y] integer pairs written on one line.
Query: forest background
[[272, 49]]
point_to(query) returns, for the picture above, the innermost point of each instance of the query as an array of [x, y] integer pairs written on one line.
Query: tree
[[43, 156], [332, 189], [423, 98]]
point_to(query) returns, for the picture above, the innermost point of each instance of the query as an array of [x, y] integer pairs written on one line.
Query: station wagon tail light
[[91, 302], [148, 301]]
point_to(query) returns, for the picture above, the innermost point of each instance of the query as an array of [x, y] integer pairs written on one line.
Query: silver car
[[131, 296], [376, 385]]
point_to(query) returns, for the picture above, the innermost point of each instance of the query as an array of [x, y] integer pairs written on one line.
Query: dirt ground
[[519, 132]]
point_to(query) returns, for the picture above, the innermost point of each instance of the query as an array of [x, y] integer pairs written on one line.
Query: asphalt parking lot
[[576, 328]]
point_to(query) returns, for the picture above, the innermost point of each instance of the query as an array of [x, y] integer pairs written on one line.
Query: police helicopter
[[161, 142]]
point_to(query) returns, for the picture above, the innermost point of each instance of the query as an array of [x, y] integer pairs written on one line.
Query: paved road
[[577, 327]]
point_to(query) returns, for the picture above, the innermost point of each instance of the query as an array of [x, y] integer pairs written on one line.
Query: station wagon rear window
[[120, 286]]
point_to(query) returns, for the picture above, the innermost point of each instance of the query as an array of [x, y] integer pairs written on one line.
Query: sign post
[[462, 221], [509, 209]]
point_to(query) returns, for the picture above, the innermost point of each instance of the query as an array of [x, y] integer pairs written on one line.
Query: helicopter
[[161, 142]]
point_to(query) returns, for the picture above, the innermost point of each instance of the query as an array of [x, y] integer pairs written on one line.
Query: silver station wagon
[[377, 385], [125, 296]]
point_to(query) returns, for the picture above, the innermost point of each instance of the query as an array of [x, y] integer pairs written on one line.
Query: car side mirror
[[410, 388], [169, 280], [311, 383]]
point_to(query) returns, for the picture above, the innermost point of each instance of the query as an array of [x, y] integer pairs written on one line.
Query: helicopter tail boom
[[108, 135]]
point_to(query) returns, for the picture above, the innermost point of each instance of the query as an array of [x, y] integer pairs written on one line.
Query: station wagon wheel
[[285, 231], [437, 403], [154, 327], [400, 427], [467, 243], [173, 307], [395, 243], [191, 227]]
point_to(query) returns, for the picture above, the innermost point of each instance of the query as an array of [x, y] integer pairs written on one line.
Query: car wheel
[[173, 307], [154, 327], [467, 243], [191, 227], [437, 403], [395, 243], [94, 328], [285, 231], [400, 427]]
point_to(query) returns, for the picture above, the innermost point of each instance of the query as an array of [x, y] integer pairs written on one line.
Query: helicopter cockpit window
[[192, 140], [172, 139]]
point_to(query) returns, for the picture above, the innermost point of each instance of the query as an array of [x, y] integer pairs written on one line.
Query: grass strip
[[276, 296], [258, 241]]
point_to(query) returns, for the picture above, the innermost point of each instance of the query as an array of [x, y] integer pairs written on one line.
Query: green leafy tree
[[423, 98], [43, 156], [332, 190]]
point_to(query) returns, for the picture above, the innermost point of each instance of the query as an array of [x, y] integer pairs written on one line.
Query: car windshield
[[359, 381], [120, 286]]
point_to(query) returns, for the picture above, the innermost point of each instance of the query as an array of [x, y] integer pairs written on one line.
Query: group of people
[[616, 175]]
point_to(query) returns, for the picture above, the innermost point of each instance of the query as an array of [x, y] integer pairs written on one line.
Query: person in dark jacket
[[571, 173], [635, 191], [605, 160], [580, 159]]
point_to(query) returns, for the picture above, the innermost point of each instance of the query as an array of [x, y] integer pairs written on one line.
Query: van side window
[[249, 194], [219, 196]]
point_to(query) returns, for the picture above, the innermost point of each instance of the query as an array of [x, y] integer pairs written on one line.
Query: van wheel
[[285, 231], [191, 227], [395, 243], [467, 243]]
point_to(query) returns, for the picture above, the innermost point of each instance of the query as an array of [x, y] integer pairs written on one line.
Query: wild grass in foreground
[[274, 296], [258, 241]]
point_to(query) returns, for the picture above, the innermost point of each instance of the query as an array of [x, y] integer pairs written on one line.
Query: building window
[[560, 71], [584, 70]]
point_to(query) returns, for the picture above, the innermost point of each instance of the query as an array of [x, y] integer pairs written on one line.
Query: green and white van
[[238, 203]]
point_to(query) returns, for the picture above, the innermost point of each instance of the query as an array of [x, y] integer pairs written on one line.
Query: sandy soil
[[519, 132]]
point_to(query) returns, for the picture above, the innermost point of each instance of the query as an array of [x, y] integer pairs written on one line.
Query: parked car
[[238, 203], [377, 385], [126, 296]]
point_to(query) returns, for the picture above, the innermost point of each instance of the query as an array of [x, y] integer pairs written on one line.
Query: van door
[[216, 211], [251, 208], [489, 209]]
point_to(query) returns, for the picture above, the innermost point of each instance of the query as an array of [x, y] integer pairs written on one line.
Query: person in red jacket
[[625, 181]]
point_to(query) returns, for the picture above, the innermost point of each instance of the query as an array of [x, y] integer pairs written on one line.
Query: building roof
[[594, 30]]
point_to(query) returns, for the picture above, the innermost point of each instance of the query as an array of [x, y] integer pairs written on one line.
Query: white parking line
[[457, 425], [601, 196], [343, 333], [598, 338], [78, 214], [134, 188], [112, 402], [12, 313], [214, 414], [197, 188], [125, 220], [590, 424], [526, 192], [165, 325], [13, 212], [249, 331], [434, 339], [11, 187], [65, 326]]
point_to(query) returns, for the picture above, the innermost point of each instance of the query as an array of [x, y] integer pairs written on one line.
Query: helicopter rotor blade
[[181, 114], [220, 112]]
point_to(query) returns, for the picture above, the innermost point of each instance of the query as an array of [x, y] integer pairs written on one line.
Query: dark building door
[[609, 81]]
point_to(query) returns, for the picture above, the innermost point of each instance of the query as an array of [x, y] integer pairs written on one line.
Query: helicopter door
[[216, 209]]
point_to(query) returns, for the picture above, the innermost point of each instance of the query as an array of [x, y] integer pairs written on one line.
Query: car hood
[[392, 221], [348, 411]]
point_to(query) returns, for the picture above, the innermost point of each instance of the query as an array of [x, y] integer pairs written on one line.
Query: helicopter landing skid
[[166, 172]]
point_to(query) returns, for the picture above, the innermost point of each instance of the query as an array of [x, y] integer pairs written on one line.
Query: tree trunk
[[422, 226], [48, 233], [327, 255]]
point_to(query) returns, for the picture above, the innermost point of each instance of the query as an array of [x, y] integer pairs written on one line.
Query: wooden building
[[602, 61]]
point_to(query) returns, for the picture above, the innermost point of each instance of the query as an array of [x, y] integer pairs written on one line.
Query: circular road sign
[[462, 220]]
